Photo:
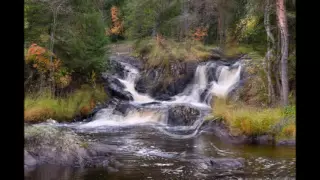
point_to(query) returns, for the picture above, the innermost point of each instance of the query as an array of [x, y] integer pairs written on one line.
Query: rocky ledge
[[50, 145]]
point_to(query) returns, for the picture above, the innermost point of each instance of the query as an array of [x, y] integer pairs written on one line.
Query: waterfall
[[210, 79], [228, 78], [131, 75]]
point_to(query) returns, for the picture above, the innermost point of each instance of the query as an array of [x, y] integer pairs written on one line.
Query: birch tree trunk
[[282, 23], [270, 52]]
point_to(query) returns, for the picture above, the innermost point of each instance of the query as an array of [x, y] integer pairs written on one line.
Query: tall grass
[[165, 51], [252, 121], [254, 53], [44, 106]]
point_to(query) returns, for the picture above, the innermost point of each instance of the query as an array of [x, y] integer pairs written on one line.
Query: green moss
[[84, 145], [44, 106]]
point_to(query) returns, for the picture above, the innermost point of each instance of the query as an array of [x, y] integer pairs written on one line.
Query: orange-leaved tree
[[200, 33], [117, 25], [39, 58]]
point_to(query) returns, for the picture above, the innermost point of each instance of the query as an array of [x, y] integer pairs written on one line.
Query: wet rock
[[116, 164], [151, 103], [182, 115], [262, 140], [220, 130], [105, 163], [124, 108], [155, 82], [52, 145], [29, 161], [98, 149], [111, 169], [114, 88], [290, 142], [57, 146], [163, 97], [212, 73], [148, 79], [117, 66], [211, 163], [226, 163]]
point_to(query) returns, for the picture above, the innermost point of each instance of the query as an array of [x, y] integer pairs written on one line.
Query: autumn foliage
[[39, 58], [159, 39], [117, 25], [200, 33], [85, 110]]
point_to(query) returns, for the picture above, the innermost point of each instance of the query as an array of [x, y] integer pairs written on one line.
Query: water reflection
[[147, 154]]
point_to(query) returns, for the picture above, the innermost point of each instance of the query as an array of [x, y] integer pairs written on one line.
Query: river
[[147, 148]]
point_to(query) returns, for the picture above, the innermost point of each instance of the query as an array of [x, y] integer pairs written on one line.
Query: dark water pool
[[146, 153]]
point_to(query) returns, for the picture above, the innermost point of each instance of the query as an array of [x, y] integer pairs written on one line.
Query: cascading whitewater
[[210, 79], [228, 78], [131, 76]]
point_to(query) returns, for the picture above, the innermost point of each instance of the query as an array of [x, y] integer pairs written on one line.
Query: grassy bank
[[252, 121], [161, 52], [43, 106]]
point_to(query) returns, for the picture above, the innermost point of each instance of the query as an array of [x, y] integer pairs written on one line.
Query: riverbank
[[42, 106], [239, 123]]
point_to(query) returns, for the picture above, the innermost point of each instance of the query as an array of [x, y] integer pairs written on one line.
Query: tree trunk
[[55, 12], [277, 66], [270, 52], [156, 26], [282, 23], [51, 50], [185, 19], [221, 29]]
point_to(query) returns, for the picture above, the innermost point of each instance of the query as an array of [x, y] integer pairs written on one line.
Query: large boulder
[[117, 66], [29, 162], [114, 88], [123, 108], [182, 115], [155, 81], [53, 145], [148, 79], [49, 144]]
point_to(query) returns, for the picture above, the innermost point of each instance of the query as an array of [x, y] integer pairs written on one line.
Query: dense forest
[[68, 44], [75, 33], [178, 68]]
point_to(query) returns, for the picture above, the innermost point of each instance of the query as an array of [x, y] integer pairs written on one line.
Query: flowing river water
[[148, 148]]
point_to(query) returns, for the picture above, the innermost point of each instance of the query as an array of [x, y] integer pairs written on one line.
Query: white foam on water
[[105, 117], [131, 76], [228, 77]]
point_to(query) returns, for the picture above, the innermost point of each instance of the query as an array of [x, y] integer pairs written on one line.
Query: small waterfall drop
[[228, 78], [210, 79], [131, 75]]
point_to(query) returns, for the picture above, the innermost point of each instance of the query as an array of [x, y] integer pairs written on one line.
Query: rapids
[[149, 148]]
